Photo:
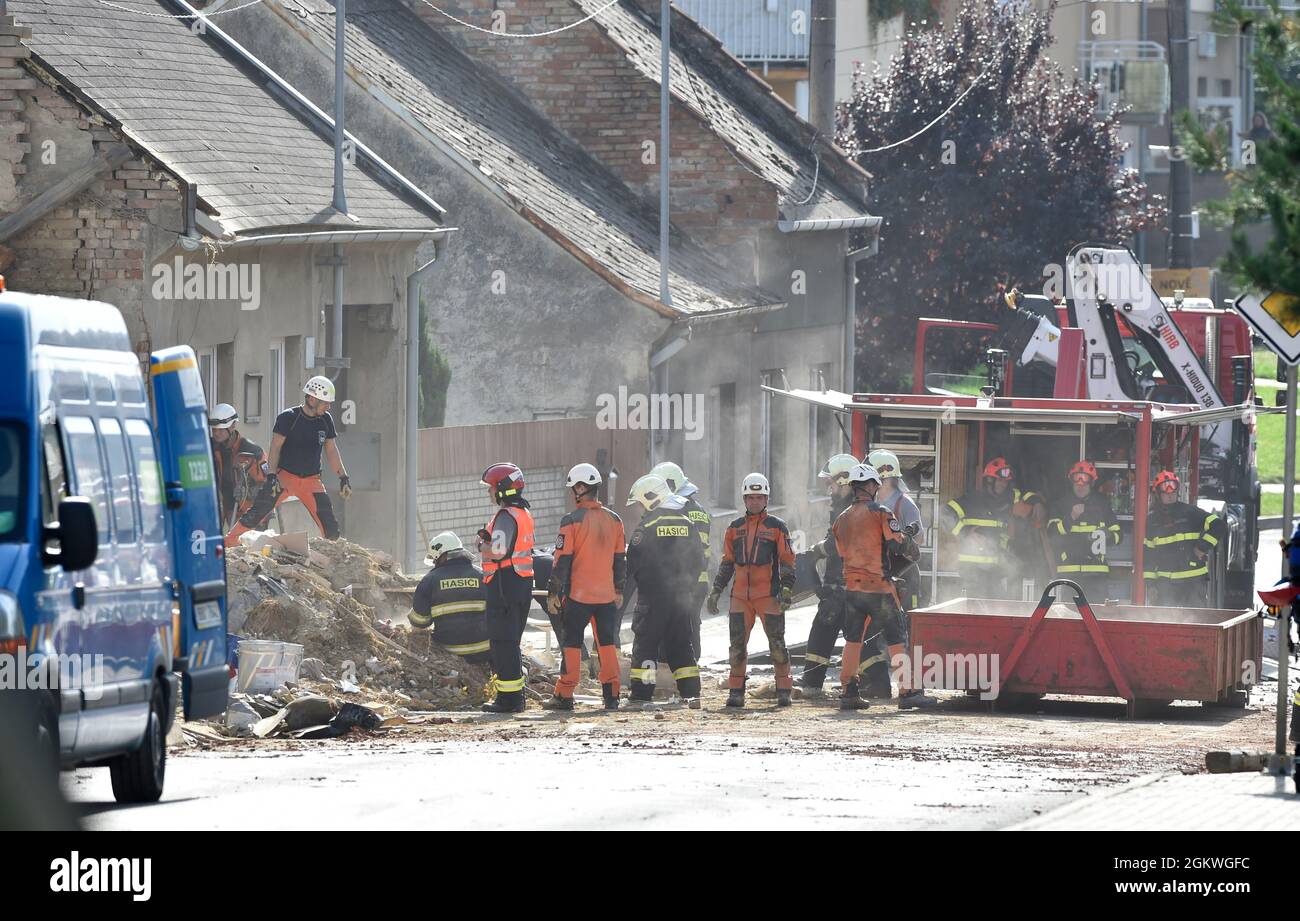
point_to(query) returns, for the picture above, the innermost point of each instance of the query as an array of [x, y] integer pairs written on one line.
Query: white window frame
[[275, 377], [208, 373]]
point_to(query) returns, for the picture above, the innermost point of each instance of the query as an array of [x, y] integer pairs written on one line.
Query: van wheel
[[138, 776], [47, 733]]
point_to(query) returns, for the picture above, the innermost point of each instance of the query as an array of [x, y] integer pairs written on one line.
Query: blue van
[[112, 576]]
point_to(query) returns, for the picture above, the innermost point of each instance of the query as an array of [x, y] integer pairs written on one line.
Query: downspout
[[413, 344]]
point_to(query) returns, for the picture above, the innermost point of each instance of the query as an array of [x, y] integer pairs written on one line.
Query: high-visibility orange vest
[[521, 561]]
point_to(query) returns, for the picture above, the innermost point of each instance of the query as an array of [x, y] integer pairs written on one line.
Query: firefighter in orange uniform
[[862, 534], [587, 587], [506, 546], [756, 550]]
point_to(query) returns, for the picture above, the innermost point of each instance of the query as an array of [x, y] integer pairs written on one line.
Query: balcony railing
[[1129, 74], [755, 30]]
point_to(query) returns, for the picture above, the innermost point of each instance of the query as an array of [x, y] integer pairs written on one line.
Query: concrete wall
[[500, 278]]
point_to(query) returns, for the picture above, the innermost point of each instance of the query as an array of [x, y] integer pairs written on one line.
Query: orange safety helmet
[[506, 480], [1165, 481], [1085, 469], [998, 469]]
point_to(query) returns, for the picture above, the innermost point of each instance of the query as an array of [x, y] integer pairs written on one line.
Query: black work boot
[[610, 693], [558, 703], [851, 698], [812, 679], [508, 702], [915, 700], [736, 697], [783, 697]]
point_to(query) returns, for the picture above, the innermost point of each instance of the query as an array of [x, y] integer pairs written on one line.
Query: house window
[[275, 379], [723, 488], [772, 430], [252, 398], [823, 430], [208, 374]]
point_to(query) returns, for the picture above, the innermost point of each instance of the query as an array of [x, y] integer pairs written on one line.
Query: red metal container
[[1147, 655]]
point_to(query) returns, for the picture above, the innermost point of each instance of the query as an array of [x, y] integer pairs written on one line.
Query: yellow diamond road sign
[[1277, 320]]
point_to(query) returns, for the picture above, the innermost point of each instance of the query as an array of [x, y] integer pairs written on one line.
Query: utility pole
[[665, 106], [821, 67], [1180, 173]]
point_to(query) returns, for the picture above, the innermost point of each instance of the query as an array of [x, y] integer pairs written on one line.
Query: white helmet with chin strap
[[649, 492], [320, 387], [670, 472], [586, 474], [882, 459], [223, 416], [837, 468], [755, 484], [441, 545], [864, 473]]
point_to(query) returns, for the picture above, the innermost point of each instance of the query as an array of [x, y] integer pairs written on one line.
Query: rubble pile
[[347, 606]]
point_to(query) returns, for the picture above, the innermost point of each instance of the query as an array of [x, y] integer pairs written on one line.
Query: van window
[[71, 385], [149, 477], [102, 387], [88, 468], [129, 389], [56, 484], [12, 498], [121, 490]]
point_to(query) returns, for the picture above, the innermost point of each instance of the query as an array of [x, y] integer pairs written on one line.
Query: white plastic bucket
[[265, 665]]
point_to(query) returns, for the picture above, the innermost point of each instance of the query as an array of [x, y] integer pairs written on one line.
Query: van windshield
[[12, 492]]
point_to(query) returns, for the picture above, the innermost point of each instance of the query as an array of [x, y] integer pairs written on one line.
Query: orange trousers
[[743, 615], [604, 620], [309, 490]]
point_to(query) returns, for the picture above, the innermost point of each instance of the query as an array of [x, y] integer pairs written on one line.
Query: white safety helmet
[[670, 472], [223, 416], [649, 491], [320, 387], [441, 545], [838, 467], [881, 458], [583, 473], [755, 485], [863, 473]]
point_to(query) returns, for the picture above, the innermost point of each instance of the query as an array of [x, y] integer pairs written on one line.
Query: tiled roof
[[188, 103], [759, 128], [504, 141]]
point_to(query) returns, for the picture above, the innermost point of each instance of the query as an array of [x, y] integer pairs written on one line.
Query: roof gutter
[[210, 28], [862, 221], [337, 237]]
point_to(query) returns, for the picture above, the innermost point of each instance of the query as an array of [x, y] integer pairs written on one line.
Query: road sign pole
[[1280, 759]]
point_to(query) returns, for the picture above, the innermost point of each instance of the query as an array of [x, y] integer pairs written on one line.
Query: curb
[[1087, 801]]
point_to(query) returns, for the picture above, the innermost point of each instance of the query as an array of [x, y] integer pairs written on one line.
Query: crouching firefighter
[[756, 550], [665, 556], [506, 546], [829, 619], [863, 535], [450, 600], [586, 587]]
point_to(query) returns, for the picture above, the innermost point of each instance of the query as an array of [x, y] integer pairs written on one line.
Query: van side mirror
[[78, 534]]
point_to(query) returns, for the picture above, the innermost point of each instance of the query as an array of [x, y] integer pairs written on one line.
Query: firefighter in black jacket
[[1083, 527], [1180, 539], [665, 555], [829, 619], [702, 522], [451, 601]]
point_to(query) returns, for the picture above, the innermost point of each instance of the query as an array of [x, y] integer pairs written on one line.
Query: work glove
[[712, 601], [345, 486], [553, 604], [787, 598], [832, 592], [273, 482]]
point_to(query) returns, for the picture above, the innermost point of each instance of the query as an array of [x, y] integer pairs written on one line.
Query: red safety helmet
[[1165, 481], [1083, 468], [505, 480], [998, 469]]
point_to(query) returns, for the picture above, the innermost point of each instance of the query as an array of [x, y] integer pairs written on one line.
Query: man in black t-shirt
[[300, 435]]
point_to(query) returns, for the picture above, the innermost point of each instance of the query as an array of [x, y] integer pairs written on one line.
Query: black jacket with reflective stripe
[[452, 599]]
